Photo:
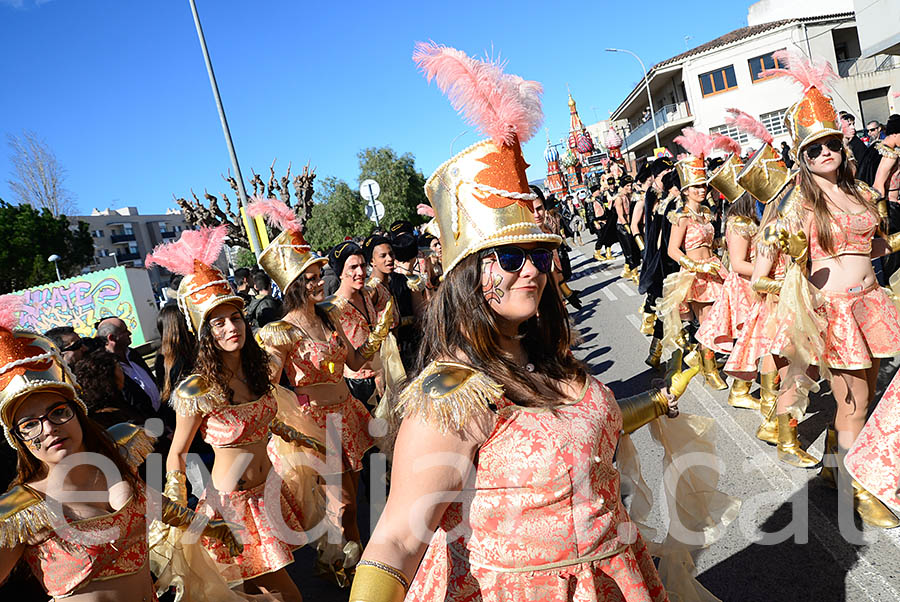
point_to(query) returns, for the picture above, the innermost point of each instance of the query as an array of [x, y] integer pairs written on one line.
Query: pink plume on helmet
[[10, 306], [423, 209], [276, 212], [203, 245], [726, 143], [694, 142], [810, 73], [501, 106], [749, 124]]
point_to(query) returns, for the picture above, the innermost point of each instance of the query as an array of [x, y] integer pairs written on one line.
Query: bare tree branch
[[37, 176]]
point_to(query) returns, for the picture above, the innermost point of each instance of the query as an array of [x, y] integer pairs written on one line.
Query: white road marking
[[626, 289], [634, 321], [609, 294]]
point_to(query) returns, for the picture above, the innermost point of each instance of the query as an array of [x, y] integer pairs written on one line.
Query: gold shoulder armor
[[675, 215], [23, 514], [416, 282], [193, 396], [743, 226], [278, 334], [135, 444], [448, 395], [791, 208], [868, 191], [332, 304]]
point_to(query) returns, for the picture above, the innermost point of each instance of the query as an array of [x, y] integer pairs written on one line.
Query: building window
[[758, 64], [732, 132], [97, 233], [774, 122], [718, 81]]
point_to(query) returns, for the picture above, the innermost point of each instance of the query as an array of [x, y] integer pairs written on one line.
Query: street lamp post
[[647, 85], [54, 259]]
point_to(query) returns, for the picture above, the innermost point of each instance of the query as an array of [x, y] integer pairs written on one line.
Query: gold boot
[[871, 510], [711, 370], [828, 473], [598, 255], [609, 254], [768, 397], [739, 396], [789, 450], [626, 272], [647, 324], [636, 276], [655, 354]]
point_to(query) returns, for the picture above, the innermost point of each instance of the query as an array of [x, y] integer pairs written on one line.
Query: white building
[[695, 88]]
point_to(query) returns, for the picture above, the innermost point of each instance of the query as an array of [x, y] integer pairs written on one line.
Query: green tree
[[245, 259], [31, 236], [340, 211]]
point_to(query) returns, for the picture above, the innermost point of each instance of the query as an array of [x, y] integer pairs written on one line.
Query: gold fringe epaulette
[[742, 226], [416, 282], [194, 396], [791, 209], [887, 151], [134, 442], [332, 305], [448, 395], [278, 334], [23, 515], [872, 194]]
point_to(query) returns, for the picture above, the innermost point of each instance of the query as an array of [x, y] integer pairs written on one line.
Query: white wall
[[766, 11]]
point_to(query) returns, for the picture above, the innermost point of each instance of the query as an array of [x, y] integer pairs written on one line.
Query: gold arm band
[[176, 487], [767, 285], [379, 332], [894, 241], [687, 263], [642, 409], [178, 516], [882, 206], [378, 582], [639, 239]]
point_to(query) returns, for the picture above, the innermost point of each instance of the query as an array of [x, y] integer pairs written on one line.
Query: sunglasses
[[815, 149], [31, 428], [512, 259], [871, 129], [78, 344]]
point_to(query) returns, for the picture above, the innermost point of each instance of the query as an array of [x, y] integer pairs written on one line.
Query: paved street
[[823, 568]]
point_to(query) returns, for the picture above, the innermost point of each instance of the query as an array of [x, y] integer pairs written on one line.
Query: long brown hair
[[816, 197], [210, 364], [460, 326], [177, 343], [94, 439], [744, 206]]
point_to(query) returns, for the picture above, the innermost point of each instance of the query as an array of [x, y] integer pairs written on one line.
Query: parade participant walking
[[690, 292], [549, 222], [516, 448], [231, 402], [311, 348], [622, 207], [829, 224], [89, 551], [604, 219]]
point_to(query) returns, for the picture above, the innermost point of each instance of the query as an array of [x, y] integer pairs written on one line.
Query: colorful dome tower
[[554, 181]]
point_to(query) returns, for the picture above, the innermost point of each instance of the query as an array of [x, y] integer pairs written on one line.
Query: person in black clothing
[[407, 287], [242, 285], [70, 344], [102, 383], [857, 146], [658, 201], [786, 154], [605, 218], [263, 308]]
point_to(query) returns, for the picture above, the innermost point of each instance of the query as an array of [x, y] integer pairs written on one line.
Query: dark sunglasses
[[78, 344], [815, 149], [31, 428], [512, 259]]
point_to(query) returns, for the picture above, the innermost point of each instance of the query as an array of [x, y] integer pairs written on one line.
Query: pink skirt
[[755, 339], [861, 326], [354, 424], [874, 459], [727, 315], [269, 539], [707, 288]]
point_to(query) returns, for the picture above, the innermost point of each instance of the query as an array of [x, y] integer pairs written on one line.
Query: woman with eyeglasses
[[76, 511], [829, 225], [503, 485], [310, 347], [230, 402]]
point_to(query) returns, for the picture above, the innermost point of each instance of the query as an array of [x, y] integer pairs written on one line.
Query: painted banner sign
[[80, 302]]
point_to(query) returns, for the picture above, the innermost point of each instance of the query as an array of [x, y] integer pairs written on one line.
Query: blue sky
[[119, 89]]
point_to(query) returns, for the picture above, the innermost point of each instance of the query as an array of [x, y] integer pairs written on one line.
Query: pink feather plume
[[749, 124], [810, 73], [276, 212], [423, 209], [696, 143], [500, 105], [10, 306], [727, 144], [203, 245]]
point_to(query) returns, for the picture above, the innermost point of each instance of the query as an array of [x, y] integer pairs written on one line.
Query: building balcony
[[869, 64], [667, 117], [121, 257], [122, 237]]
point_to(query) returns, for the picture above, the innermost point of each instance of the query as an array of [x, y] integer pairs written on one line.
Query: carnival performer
[[604, 219], [729, 311], [311, 348], [658, 201], [832, 309], [622, 203], [231, 402], [514, 449], [549, 222], [638, 198], [85, 549], [690, 292], [764, 177], [410, 290]]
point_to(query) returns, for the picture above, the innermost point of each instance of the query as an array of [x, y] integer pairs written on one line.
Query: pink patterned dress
[[356, 323], [726, 317], [544, 521], [705, 288], [874, 459]]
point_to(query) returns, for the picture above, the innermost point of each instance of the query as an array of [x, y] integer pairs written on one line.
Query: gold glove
[[707, 267], [767, 285], [379, 332], [893, 241], [687, 263], [176, 487], [639, 239], [679, 381], [292, 435], [882, 206], [378, 582], [175, 515], [642, 409], [794, 245]]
